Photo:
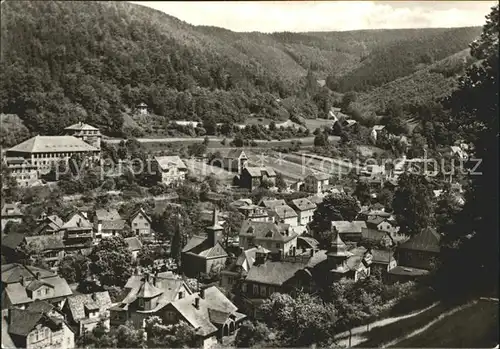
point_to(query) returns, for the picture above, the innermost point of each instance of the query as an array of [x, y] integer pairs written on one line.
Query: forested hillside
[[68, 61]]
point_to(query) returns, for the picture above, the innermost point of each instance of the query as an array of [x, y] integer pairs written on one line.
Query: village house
[[147, 296], [84, 311], [142, 108], [50, 248], [375, 132], [276, 237], [10, 213], [350, 231], [140, 222], [23, 285], [209, 312], [23, 171], [204, 255], [384, 224], [416, 256], [170, 169], [382, 259], [316, 183], [254, 177], [305, 210], [77, 232], [87, 133], [48, 225], [134, 246], [239, 267], [108, 222], [40, 325], [234, 161], [280, 211], [45, 151], [377, 237], [256, 213]]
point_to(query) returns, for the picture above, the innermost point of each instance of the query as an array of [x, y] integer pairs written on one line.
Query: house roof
[[11, 273], [309, 241], [241, 203], [304, 204], [36, 284], [10, 210], [113, 225], [274, 272], [109, 214], [349, 227], [381, 256], [206, 250], [285, 211], [77, 220], [427, 240], [267, 230], [12, 240], [271, 203], [146, 290], [193, 242], [168, 162], [375, 220], [213, 303], [338, 248], [138, 212], [373, 234], [80, 126], [260, 171], [134, 244], [320, 176], [41, 306], [17, 293], [52, 144], [234, 154], [23, 321], [168, 283]]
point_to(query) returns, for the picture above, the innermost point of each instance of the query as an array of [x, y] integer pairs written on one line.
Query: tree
[[300, 321], [146, 256], [238, 141], [385, 197], [252, 334], [347, 99], [111, 261], [280, 182], [412, 203], [362, 192], [179, 335], [232, 225], [335, 207], [74, 267], [321, 140], [474, 106], [128, 337]]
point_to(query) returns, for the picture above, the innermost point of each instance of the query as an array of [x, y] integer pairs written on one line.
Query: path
[[358, 332]]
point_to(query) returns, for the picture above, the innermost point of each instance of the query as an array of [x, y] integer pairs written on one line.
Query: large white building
[[36, 155]]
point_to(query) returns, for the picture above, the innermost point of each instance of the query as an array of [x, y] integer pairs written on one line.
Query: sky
[[303, 16]]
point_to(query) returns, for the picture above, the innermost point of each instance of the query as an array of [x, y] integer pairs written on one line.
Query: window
[[146, 224], [263, 291], [255, 290], [278, 245], [135, 224], [141, 302], [39, 293], [170, 316], [46, 291]]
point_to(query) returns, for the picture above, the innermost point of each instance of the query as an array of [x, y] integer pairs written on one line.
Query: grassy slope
[[473, 327]]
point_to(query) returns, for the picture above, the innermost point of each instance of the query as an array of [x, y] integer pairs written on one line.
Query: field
[[472, 327], [289, 170], [313, 124]]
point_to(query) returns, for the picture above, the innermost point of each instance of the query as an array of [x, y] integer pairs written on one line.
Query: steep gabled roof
[[109, 214], [52, 144], [10, 210], [148, 291], [138, 212], [80, 126], [11, 273], [12, 240], [234, 154], [272, 203], [427, 240], [77, 303], [274, 273], [304, 204], [285, 211], [267, 230], [167, 162]]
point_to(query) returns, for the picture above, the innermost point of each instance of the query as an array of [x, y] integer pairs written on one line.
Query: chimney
[[146, 277], [94, 297], [37, 275], [312, 252], [154, 280], [21, 280], [181, 295], [202, 293], [197, 302]]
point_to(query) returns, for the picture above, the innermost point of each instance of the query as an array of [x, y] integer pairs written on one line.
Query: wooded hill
[[69, 61]]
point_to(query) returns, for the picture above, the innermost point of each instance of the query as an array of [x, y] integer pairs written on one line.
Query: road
[[309, 139]]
